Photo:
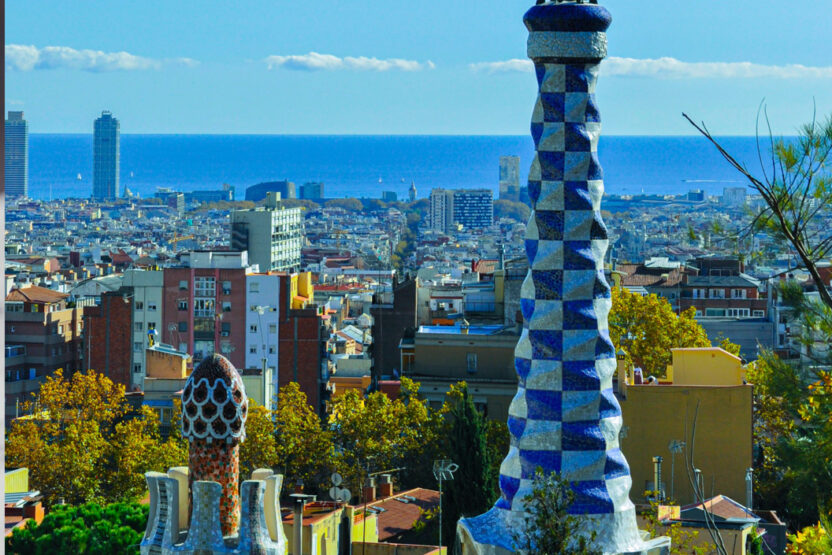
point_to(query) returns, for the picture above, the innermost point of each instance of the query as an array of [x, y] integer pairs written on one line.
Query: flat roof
[[457, 329]]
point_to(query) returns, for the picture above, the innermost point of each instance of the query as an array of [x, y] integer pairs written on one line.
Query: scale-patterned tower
[[214, 410], [565, 417]]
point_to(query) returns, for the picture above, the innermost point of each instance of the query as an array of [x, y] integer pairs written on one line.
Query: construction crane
[[177, 238]]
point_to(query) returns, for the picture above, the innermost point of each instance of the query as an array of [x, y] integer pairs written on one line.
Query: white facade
[[262, 324], [273, 236], [148, 288]]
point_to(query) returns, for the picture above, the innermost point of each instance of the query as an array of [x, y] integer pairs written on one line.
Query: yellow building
[[705, 366], [167, 372], [321, 527], [657, 416]]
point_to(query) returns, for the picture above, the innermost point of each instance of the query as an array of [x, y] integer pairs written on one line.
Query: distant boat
[[131, 174], [78, 177], [403, 180], [380, 180]]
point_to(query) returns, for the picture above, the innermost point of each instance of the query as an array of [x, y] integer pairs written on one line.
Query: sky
[[403, 66]]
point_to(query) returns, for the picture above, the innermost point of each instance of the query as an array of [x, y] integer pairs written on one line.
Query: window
[[698, 293], [151, 307], [737, 293], [137, 368], [254, 287], [183, 326], [226, 329], [138, 326], [183, 347], [226, 306], [79, 327], [60, 329], [226, 348], [205, 287], [226, 288], [252, 328], [717, 293], [151, 326], [272, 350], [11, 329], [182, 305], [14, 307], [204, 308], [183, 285], [272, 328], [738, 312], [759, 313], [137, 346], [472, 362], [252, 349], [139, 305]]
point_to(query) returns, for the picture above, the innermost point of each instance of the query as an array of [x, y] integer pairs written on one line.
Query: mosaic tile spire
[[214, 411], [564, 417]]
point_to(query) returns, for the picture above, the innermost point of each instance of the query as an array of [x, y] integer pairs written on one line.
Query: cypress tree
[[474, 487]]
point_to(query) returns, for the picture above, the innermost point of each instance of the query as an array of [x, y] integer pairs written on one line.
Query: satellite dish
[[336, 478], [342, 495]]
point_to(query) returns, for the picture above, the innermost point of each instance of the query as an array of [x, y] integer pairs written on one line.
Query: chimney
[[385, 488], [370, 490], [657, 478], [299, 486]]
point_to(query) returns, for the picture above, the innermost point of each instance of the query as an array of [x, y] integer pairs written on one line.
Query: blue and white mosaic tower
[[565, 417]]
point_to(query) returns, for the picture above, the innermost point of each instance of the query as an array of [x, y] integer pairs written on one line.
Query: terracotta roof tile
[[36, 294], [399, 517]]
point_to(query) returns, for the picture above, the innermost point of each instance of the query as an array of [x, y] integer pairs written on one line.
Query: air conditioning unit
[[225, 333]]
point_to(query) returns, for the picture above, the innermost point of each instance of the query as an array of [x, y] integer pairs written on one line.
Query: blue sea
[[364, 166]]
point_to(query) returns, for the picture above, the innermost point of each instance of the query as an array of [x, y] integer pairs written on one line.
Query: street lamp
[[443, 469], [261, 309], [675, 446]]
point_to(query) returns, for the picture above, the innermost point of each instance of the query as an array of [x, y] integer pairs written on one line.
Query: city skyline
[[411, 73]]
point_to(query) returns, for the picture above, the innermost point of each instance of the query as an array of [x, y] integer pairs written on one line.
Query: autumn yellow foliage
[[83, 441]]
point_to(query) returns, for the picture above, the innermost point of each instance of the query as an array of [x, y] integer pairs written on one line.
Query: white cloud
[[507, 66], [671, 68], [27, 58], [327, 62]]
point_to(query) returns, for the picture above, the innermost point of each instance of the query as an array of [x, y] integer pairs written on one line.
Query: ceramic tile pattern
[[215, 407], [564, 417]]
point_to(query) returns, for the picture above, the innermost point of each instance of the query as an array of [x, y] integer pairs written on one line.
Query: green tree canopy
[[474, 488], [89, 529], [83, 442], [647, 328]]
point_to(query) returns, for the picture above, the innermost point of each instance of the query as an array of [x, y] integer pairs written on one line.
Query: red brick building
[[204, 312], [107, 337], [43, 334], [301, 352]]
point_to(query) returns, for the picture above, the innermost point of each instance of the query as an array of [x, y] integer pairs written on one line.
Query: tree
[[647, 328], [83, 442], [793, 440], [548, 526], [303, 448], [375, 433], [796, 188], [259, 450], [348, 204], [681, 539], [512, 210], [475, 485], [87, 529]]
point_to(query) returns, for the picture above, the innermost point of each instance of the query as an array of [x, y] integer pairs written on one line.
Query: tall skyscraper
[[17, 156], [510, 178], [106, 157]]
